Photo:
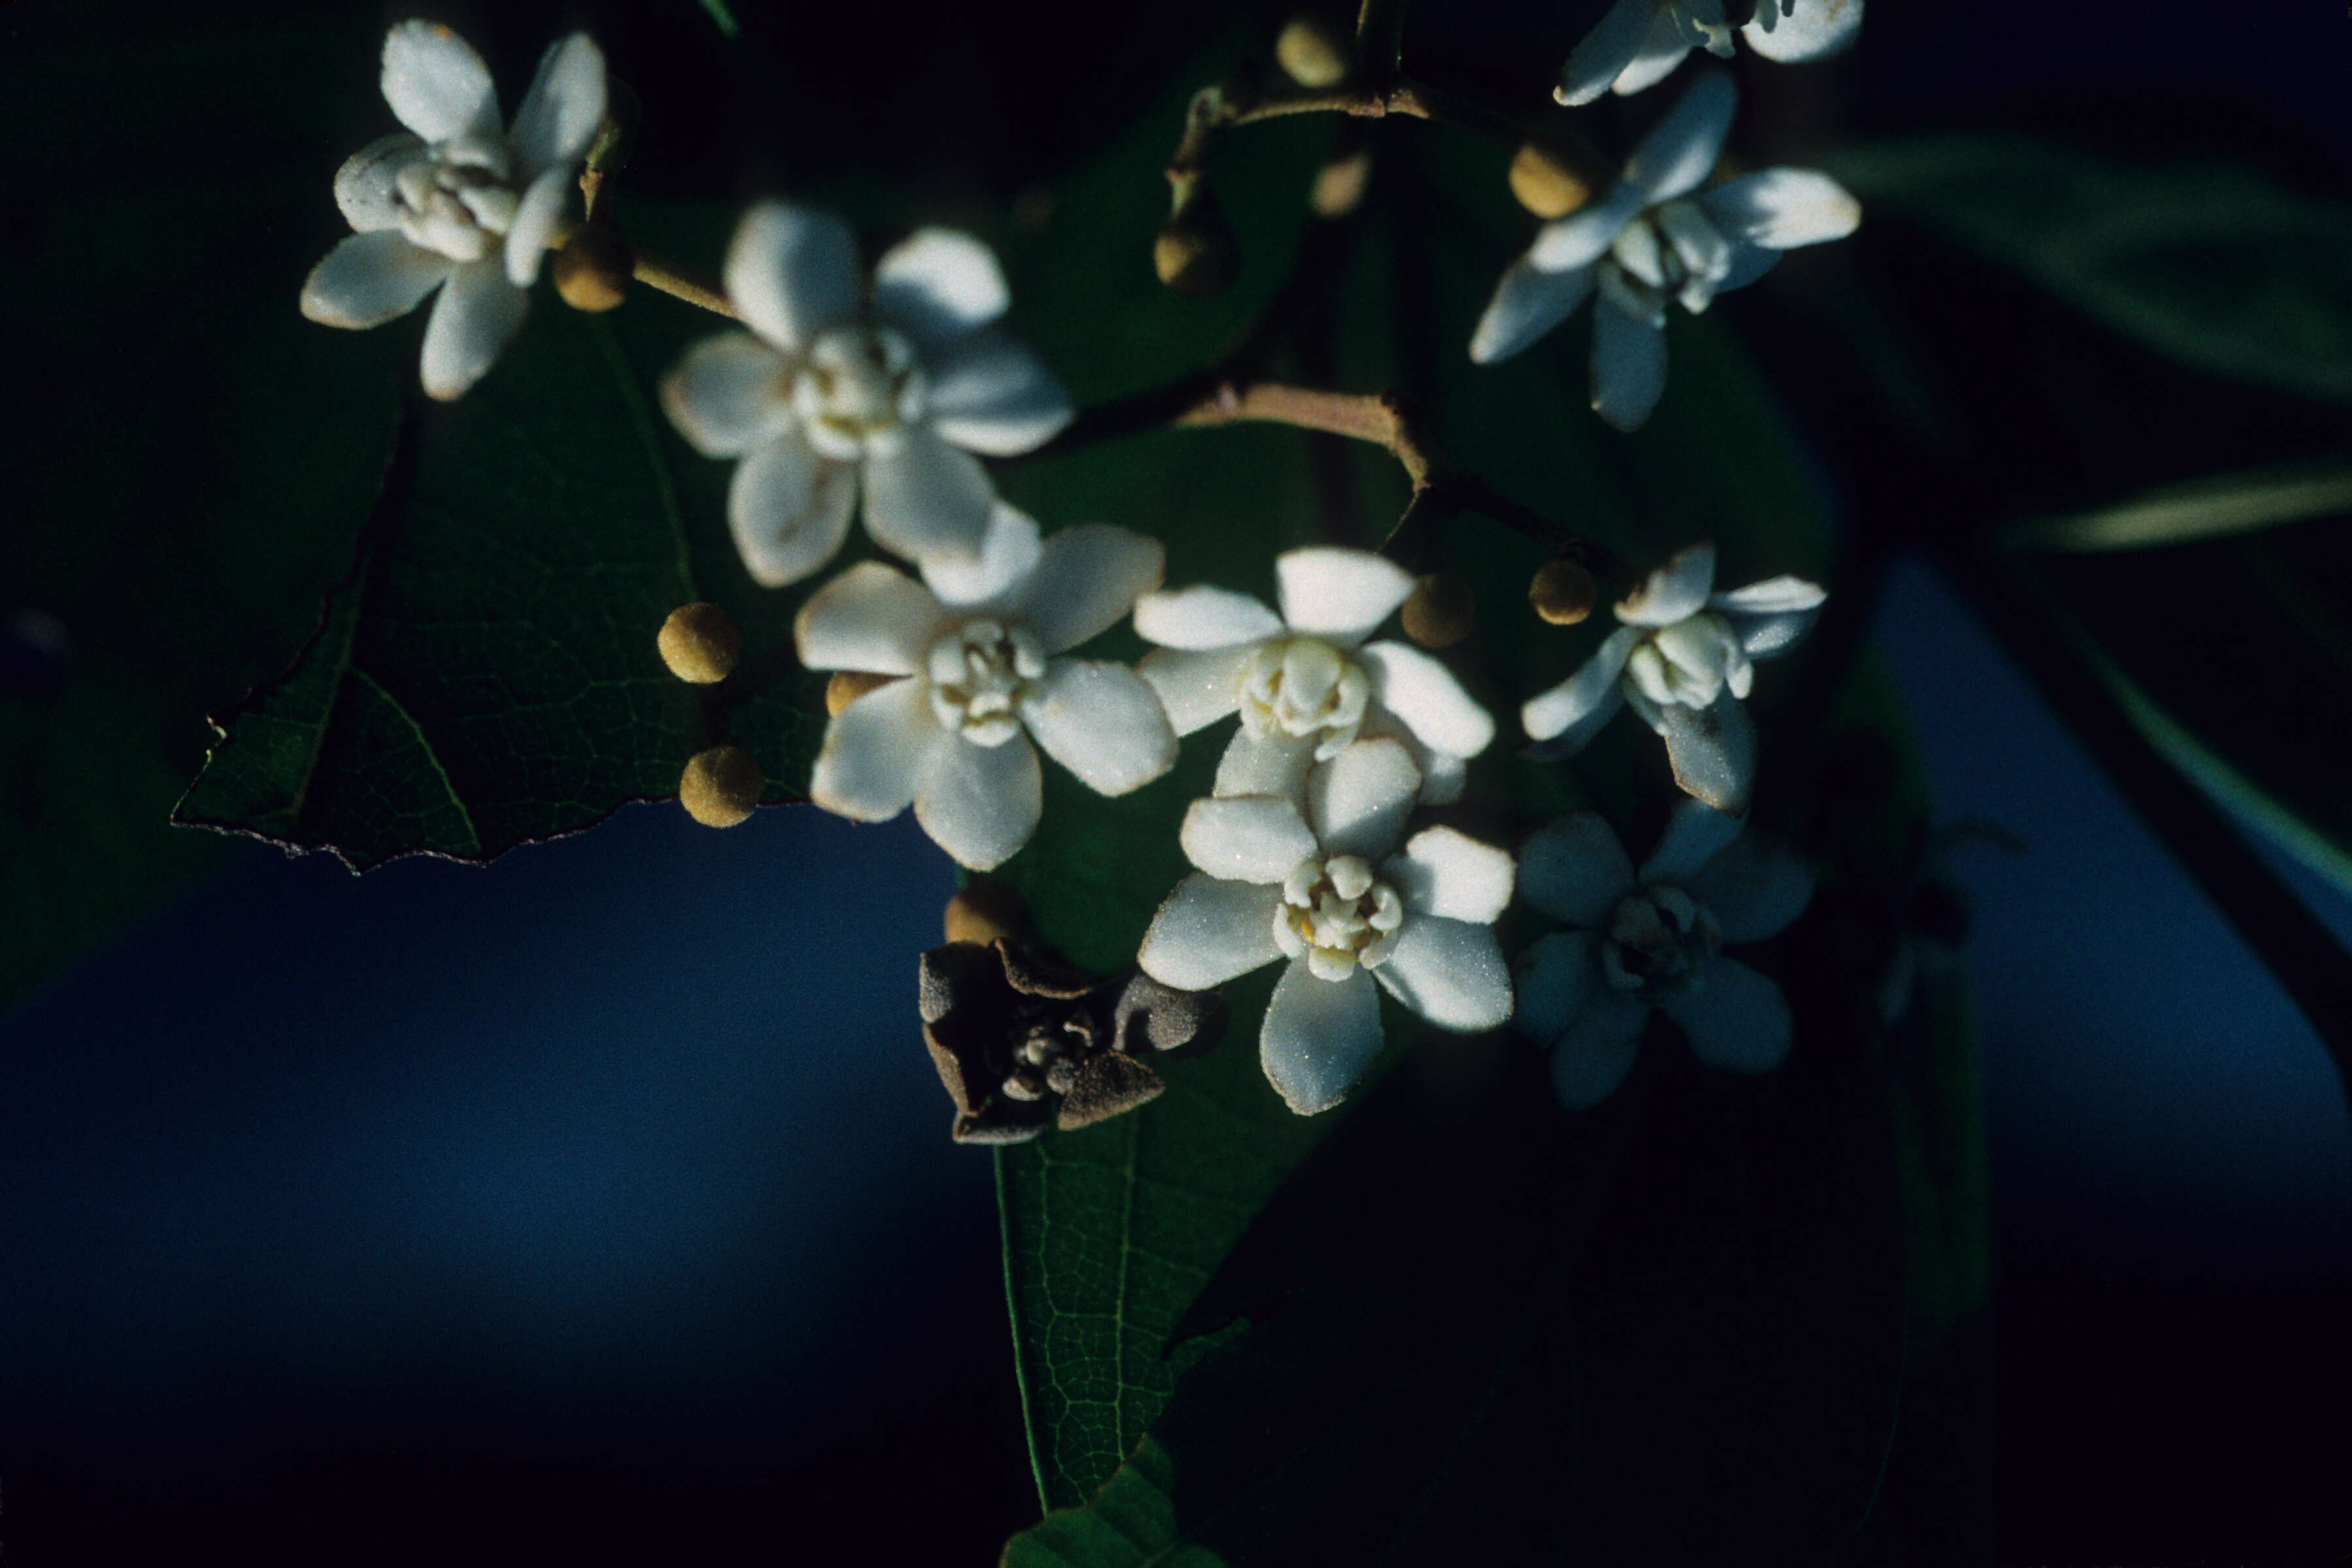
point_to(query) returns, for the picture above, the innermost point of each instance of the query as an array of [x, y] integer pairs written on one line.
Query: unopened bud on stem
[[1547, 182], [720, 786], [986, 910], [1562, 592], [593, 270], [1196, 253], [1314, 51], [1441, 611], [699, 643]]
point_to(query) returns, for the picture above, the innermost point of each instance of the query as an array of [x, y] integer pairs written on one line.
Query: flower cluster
[[1639, 43]]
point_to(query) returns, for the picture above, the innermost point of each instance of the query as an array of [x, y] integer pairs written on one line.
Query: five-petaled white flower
[[1683, 659], [979, 663], [1639, 42], [892, 390], [1650, 240], [1652, 940], [1306, 681], [456, 202], [1321, 888]]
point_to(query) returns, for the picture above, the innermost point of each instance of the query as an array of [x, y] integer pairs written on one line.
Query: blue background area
[[612, 1185]]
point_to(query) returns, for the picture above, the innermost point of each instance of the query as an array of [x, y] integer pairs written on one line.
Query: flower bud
[[720, 786], [848, 685], [699, 643], [1340, 184], [594, 269], [986, 911], [1562, 592], [1196, 253], [1441, 611], [1548, 182], [1314, 51]]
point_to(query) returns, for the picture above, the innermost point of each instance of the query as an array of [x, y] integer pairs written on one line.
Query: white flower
[[1649, 240], [1639, 42], [1683, 659], [978, 670], [455, 201], [1306, 682], [1321, 888], [892, 389], [1652, 941]]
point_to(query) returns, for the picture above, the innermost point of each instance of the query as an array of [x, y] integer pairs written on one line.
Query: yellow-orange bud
[[699, 643], [1441, 611], [984, 910], [1562, 592], [1547, 182], [593, 270], [1196, 252], [1314, 51], [720, 786]]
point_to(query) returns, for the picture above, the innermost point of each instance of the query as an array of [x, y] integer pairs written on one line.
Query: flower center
[[1671, 250], [1334, 913], [1046, 1060], [980, 673], [1689, 663], [459, 200], [1304, 685], [856, 391], [1658, 944]]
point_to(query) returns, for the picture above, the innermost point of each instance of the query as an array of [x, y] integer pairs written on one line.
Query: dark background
[[600, 1206]]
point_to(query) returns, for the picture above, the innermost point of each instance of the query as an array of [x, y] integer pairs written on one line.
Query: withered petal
[[1105, 1086], [1164, 1019], [1035, 974], [1006, 1122], [959, 970]]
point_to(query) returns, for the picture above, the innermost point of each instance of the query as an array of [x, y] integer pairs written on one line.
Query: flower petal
[[1573, 711], [1271, 763], [1583, 237], [989, 393], [1425, 695], [1675, 592], [981, 804], [1737, 1019], [536, 216], [1197, 685], [1086, 579], [1774, 595], [1204, 617], [1680, 150], [437, 84], [1593, 1056], [876, 751], [1320, 1037], [1452, 875], [365, 187], [1609, 48], [937, 285], [1574, 869], [1246, 838], [789, 508], [791, 272], [869, 619], [478, 313], [1755, 886], [1449, 972], [1655, 60], [368, 278], [1783, 208], [1696, 833], [1528, 303], [727, 395], [997, 578], [928, 498], [1340, 593], [1815, 30], [1356, 802], [1628, 364], [1713, 750], [1209, 931], [1102, 723], [1556, 979], [563, 109]]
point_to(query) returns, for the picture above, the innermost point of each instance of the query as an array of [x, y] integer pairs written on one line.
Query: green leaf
[[1130, 1523], [2219, 266], [186, 461], [488, 676]]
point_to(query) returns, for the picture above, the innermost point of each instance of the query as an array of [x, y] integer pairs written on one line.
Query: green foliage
[[1130, 1523], [2217, 266]]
